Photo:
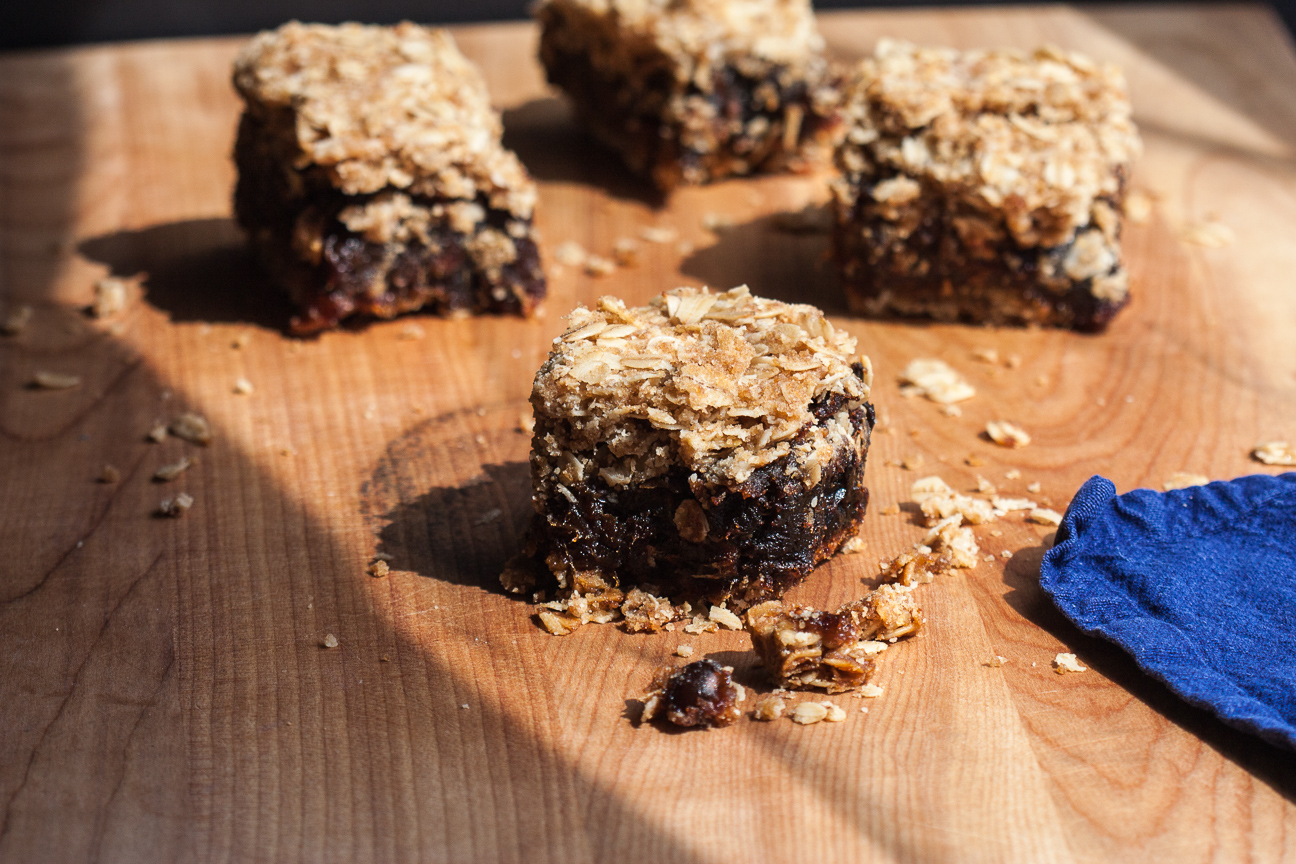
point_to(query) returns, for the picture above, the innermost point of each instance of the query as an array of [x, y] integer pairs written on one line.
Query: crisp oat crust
[[384, 108], [719, 384]]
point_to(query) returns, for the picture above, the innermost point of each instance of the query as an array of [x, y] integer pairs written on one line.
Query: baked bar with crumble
[[689, 91], [372, 180], [984, 186], [709, 445]]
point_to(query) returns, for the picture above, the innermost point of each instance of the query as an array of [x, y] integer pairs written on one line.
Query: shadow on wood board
[[1274, 766]]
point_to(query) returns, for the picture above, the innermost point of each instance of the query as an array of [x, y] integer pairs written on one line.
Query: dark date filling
[[934, 268], [699, 694], [762, 537], [348, 275], [629, 117]]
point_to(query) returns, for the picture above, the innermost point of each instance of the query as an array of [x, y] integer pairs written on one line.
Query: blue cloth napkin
[[1198, 584]]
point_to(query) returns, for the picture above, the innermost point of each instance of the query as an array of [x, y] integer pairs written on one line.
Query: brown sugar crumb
[[804, 648], [768, 707], [1064, 663], [699, 694], [936, 380], [626, 252], [177, 506], [654, 234], [1211, 235], [45, 380], [1045, 516], [193, 428], [1007, 434], [16, 320], [379, 569], [1184, 479], [646, 613], [109, 474], [110, 297], [167, 473], [329, 641], [1275, 453]]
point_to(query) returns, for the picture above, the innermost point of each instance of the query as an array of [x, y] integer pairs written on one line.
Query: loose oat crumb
[[912, 463], [1010, 505], [1212, 235], [807, 713], [984, 486], [768, 707], [724, 617], [951, 411], [987, 558], [1007, 434], [1184, 479], [384, 659], [177, 506], [110, 297], [995, 662], [1045, 516], [973, 461], [570, 254], [995, 532], [379, 569], [986, 355], [1013, 361], [626, 252], [329, 641], [1033, 488], [1064, 663], [684, 651], [717, 221], [16, 321], [243, 387], [526, 422], [597, 265], [658, 235], [1012, 474], [1274, 453], [241, 341], [46, 380], [835, 713], [158, 433], [700, 625], [167, 473], [684, 247], [891, 510], [411, 332], [1138, 207], [870, 691], [109, 474], [193, 428], [853, 546], [936, 380], [1005, 554]]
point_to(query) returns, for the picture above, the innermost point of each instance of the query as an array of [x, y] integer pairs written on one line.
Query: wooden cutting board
[[164, 693]]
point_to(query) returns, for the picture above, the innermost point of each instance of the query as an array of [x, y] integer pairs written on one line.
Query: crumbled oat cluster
[[691, 90], [1014, 164], [372, 179], [806, 648], [710, 444]]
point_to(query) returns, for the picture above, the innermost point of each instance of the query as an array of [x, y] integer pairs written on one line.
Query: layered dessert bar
[[984, 186], [372, 180], [688, 91], [708, 445], [805, 648]]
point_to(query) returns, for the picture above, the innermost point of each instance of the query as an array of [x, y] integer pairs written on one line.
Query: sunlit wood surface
[[164, 695]]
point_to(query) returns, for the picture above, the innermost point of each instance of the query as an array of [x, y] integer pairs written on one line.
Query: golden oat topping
[[1036, 135], [720, 383], [382, 107], [701, 34]]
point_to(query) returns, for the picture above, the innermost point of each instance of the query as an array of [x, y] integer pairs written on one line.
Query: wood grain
[[164, 693]]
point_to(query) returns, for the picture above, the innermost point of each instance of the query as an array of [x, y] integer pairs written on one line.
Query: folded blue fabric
[[1198, 584]]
